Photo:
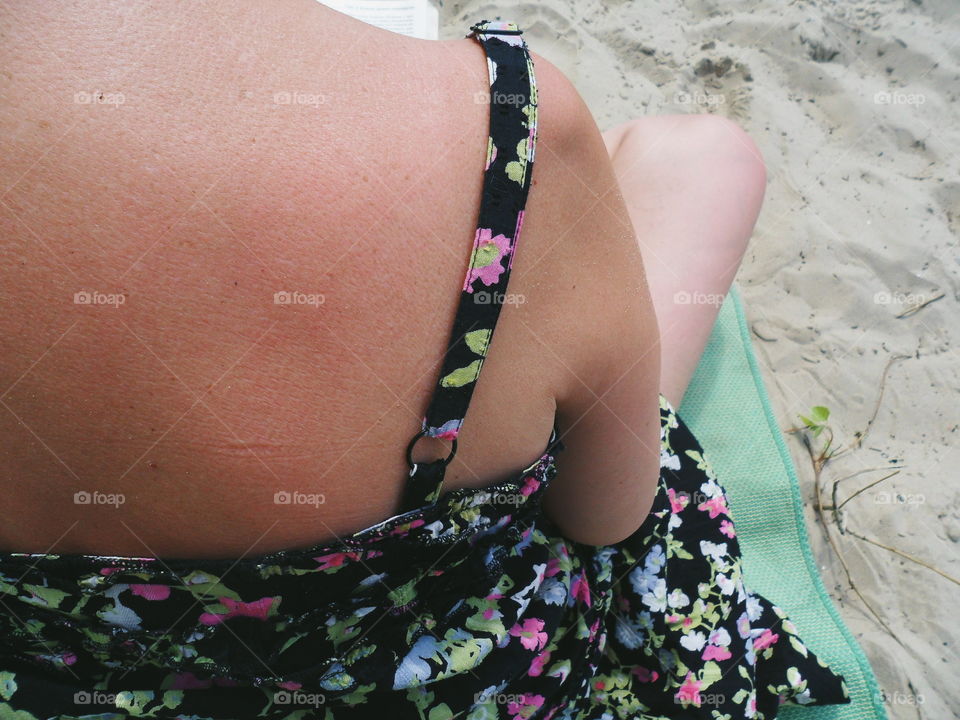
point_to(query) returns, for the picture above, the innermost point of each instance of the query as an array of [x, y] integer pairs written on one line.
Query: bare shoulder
[[600, 319], [582, 235]]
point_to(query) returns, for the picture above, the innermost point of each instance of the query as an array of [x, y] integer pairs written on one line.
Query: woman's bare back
[[234, 240]]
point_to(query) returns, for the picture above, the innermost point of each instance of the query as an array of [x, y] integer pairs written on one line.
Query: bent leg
[[693, 185]]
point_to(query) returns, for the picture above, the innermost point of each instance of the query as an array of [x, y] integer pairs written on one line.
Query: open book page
[[417, 18]]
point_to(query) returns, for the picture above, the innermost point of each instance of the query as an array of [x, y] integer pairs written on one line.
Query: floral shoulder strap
[[506, 183]]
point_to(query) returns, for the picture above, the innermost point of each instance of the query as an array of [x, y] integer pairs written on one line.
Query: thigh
[[693, 185]]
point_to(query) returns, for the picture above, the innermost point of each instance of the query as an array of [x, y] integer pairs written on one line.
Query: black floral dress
[[471, 605]]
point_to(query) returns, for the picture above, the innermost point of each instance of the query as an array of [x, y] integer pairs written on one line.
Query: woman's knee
[[712, 163], [711, 143]]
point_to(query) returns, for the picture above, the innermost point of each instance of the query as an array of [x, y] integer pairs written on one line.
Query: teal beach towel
[[726, 402]]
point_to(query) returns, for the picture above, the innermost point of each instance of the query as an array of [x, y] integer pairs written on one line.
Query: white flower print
[[717, 551], [656, 558], [657, 599], [694, 641], [720, 637]]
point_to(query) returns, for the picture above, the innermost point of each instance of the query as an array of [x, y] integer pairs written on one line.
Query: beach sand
[[854, 107]]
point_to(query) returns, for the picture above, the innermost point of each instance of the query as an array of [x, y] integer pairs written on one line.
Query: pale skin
[[202, 195]]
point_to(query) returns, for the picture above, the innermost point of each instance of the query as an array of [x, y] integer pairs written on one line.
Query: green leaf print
[[710, 674], [478, 340], [794, 678], [486, 711], [359, 696], [478, 622], [337, 678], [440, 712], [404, 594], [8, 713], [798, 646], [516, 169], [462, 376], [420, 697], [484, 255], [44, 596], [134, 700], [675, 549], [8, 685], [172, 699], [204, 585], [466, 653]]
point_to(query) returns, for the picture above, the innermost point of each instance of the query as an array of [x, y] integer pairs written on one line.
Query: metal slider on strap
[[476, 29]]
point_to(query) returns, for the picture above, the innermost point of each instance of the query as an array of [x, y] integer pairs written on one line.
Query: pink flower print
[[109, 571], [257, 609], [677, 502], [488, 253], [766, 639], [581, 590], [491, 613], [493, 154], [290, 685], [530, 634], [151, 592], [593, 630], [448, 431], [525, 707], [726, 527], [553, 567], [335, 559], [716, 506], [536, 665], [713, 652], [689, 692], [529, 485], [516, 234], [645, 675], [407, 527], [743, 625], [68, 658]]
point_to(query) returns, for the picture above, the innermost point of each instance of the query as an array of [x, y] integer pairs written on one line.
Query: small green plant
[[817, 420], [816, 423]]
